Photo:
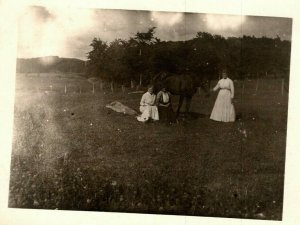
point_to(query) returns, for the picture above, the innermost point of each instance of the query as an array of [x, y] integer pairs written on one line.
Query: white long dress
[[224, 109], [148, 108]]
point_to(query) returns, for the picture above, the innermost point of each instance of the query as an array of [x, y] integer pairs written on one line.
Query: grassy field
[[70, 152]]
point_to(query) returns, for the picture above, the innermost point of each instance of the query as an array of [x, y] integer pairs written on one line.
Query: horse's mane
[[161, 76], [158, 81]]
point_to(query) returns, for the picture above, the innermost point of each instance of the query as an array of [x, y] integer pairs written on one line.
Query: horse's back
[[180, 85]]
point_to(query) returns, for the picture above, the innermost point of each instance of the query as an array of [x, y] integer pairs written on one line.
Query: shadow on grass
[[192, 116]]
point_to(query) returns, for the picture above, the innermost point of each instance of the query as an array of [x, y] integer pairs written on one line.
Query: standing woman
[[223, 110]]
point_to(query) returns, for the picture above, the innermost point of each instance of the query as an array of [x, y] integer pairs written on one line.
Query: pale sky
[[67, 32]]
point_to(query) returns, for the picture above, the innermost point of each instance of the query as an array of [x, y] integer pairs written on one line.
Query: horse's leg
[[179, 105], [188, 104]]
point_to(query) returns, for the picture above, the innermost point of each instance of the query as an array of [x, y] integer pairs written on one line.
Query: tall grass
[[70, 152]]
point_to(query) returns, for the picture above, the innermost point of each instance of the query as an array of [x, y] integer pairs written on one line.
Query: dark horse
[[184, 85]]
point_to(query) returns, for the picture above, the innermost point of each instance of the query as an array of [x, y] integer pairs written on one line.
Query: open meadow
[[70, 152]]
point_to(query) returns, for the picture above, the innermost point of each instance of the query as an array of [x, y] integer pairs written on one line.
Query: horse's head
[[158, 81]]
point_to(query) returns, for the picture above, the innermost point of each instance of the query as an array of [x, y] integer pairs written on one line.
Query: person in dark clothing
[[165, 110]]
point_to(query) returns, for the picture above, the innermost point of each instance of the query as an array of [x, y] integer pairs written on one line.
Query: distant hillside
[[50, 64]]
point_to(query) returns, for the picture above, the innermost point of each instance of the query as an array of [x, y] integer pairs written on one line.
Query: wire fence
[[80, 85]]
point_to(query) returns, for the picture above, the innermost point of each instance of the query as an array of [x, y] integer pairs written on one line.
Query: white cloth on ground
[[121, 108]]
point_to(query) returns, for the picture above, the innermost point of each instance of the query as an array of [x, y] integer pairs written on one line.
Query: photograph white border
[[9, 10]]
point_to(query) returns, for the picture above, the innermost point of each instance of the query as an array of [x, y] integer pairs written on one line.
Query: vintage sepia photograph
[[151, 112]]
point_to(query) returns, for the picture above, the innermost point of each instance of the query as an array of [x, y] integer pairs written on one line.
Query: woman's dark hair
[[223, 70], [150, 86]]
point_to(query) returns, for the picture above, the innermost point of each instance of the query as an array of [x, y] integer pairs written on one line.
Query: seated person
[[163, 101], [147, 106]]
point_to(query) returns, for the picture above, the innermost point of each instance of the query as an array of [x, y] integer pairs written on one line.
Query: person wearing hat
[[223, 109]]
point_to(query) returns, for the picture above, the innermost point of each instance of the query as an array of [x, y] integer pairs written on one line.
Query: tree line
[[143, 56]]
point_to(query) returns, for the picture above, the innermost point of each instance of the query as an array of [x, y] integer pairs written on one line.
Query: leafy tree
[[115, 64], [97, 58], [204, 56], [144, 55], [143, 42]]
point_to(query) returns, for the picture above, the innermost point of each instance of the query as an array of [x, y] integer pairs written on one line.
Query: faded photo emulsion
[[150, 112]]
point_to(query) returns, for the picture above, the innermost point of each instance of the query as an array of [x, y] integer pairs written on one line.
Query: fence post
[[141, 78], [101, 85], [65, 89], [123, 88], [131, 84], [282, 86], [80, 89], [243, 87], [256, 88], [112, 86], [93, 88]]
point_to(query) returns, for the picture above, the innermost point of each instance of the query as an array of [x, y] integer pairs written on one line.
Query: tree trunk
[[93, 88], [123, 88], [131, 84]]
